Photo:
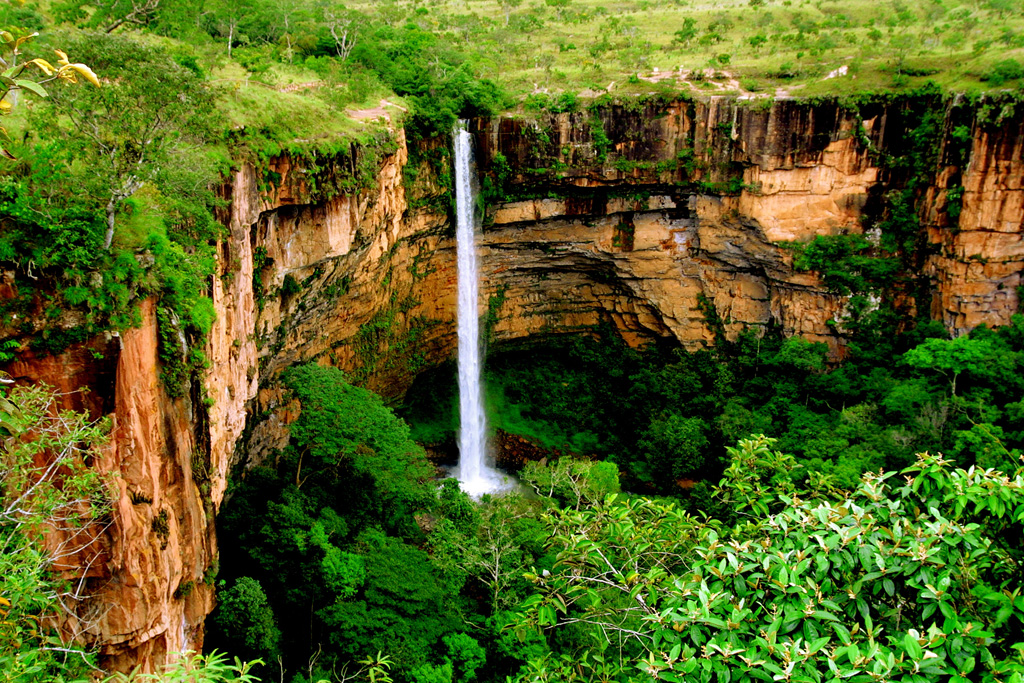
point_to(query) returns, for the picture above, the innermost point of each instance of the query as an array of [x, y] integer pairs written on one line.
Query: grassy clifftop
[[784, 47]]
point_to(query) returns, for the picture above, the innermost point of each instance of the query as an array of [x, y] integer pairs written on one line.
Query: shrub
[[1005, 70]]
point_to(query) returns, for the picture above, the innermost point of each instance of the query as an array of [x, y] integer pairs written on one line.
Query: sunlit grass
[[289, 103], [778, 47]]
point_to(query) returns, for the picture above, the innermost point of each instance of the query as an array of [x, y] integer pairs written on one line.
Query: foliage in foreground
[[48, 497], [190, 667], [913, 577]]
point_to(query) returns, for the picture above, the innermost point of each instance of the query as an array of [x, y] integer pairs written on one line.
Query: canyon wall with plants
[[662, 219]]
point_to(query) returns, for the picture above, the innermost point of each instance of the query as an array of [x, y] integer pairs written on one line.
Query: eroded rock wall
[[145, 571], [978, 255], [644, 218]]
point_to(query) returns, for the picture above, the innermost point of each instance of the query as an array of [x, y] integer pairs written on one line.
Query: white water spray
[[475, 476]]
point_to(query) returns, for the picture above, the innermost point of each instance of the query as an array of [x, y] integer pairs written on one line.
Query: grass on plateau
[[770, 47]]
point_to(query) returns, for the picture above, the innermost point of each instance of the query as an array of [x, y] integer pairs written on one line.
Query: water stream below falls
[[475, 475]]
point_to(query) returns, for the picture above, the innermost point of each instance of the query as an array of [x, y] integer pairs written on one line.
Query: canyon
[[660, 219]]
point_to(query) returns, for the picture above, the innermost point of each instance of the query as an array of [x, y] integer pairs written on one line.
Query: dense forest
[[757, 509], [574, 582]]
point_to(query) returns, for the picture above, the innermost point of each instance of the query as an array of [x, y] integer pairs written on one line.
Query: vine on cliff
[[879, 264], [382, 346]]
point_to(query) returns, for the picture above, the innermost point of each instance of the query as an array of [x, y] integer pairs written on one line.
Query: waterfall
[[475, 476]]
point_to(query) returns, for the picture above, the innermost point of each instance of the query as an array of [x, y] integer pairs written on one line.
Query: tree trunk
[[111, 215]]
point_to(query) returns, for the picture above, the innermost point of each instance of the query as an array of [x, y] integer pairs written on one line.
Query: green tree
[[245, 616], [234, 21], [507, 6], [49, 496], [572, 482], [559, 5], [109, 15], [145, 127], [951, 357], [400, 608], [672, 447], [687, 33], [907, 578]]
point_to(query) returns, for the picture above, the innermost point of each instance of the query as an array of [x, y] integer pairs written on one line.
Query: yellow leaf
[[63, 58], [25, 38], [43, 65], [5, 106], [86, 73]]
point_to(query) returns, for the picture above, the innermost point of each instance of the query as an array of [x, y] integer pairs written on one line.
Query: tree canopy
[[914, 576]]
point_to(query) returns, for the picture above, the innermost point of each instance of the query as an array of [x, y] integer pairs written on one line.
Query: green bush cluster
[[130, 151], [1003, 71], [847, 264], [342, 546], [910, 576]]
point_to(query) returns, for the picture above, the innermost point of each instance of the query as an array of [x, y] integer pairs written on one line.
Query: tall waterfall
[[475, 476]]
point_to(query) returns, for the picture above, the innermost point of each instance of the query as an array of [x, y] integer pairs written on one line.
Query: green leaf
[[912, 647], [31, 86], [818, 644]]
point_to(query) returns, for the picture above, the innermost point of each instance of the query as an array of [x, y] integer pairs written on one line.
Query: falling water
[[474, 474]]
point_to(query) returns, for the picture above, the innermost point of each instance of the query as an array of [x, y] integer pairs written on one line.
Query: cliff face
[[147, 573], [650, 219], [645, 218], [977, 260], [695, 201]]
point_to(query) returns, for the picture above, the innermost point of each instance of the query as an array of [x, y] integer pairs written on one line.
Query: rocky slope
[[665, 219]]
